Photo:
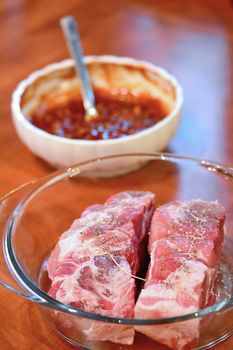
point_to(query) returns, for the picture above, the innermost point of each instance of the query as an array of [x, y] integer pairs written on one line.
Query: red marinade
[[119, 116]]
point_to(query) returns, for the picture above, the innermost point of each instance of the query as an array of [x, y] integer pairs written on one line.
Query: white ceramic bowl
[[115, 74]]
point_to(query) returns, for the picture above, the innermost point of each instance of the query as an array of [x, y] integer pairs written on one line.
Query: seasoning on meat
[[92, 265], [185, 244]]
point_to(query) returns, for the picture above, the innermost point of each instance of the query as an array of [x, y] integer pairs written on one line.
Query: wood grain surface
[[193, 39]]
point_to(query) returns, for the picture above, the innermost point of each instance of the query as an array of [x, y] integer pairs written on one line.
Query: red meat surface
[[92, 264], [185, 244]]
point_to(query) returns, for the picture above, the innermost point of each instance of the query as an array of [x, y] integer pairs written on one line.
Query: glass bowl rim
[[42, 297]]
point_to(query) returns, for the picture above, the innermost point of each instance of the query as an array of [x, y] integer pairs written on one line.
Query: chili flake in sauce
[[118, 117]]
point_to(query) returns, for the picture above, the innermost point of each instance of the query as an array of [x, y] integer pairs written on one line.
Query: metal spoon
[[69, 27]]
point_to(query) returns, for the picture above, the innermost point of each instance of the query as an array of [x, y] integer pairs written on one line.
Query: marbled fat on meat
[[91, 266], [185, 244]]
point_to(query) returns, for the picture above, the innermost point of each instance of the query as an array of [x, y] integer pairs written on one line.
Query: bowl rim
[[51, 179], [67, 63]]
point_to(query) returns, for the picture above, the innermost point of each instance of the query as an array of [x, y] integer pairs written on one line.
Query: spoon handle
[[69, 27]]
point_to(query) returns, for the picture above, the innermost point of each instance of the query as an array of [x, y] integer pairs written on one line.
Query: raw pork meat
[[185, 244], [91, 266]]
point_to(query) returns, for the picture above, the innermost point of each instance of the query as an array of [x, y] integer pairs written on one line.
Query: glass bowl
[[34, 216]]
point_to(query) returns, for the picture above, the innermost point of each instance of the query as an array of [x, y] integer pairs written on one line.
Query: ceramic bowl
[[115, 75]]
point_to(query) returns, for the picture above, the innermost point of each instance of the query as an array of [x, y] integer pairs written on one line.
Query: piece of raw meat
[[92, 265], [185, 244]]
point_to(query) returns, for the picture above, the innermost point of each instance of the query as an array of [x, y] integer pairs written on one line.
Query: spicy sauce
[[119, 116]]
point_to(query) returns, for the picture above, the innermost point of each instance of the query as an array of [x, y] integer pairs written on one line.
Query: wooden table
[[192, 39]]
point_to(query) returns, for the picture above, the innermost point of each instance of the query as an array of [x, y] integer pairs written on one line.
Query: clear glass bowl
[[34, 216]]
